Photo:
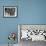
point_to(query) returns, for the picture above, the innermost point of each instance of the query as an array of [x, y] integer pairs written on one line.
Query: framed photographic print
[[33, 32], [10, 11]]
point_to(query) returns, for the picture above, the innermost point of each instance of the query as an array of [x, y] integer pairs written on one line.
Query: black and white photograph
[[31, 34], [10, 11]]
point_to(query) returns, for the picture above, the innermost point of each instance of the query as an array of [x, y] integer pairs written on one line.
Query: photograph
[[32, 32], [10, 11]]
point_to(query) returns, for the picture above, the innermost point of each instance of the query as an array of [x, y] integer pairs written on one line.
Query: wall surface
[[32, 11], [7, 25], [29, 12]]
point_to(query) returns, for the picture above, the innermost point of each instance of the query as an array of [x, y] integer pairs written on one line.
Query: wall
[[32, 11], [7, 25], [29, 12]]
